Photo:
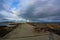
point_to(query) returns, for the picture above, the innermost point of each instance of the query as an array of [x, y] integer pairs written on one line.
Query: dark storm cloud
[[33, 10], [42, 10]]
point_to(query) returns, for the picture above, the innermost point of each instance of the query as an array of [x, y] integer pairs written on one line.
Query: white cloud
[[40, 9], [8, 11], [8, 16], [23, 5]]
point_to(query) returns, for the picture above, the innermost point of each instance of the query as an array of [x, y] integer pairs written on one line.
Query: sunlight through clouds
[[39, 10], [30, 10], [6, 10]]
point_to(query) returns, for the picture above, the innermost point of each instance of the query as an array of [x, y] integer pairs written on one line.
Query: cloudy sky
[[30, 10]]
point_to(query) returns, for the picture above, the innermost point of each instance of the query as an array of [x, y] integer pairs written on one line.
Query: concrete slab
[[25, 32]]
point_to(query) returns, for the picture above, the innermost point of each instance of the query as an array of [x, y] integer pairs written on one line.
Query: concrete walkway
[[25, 32]]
